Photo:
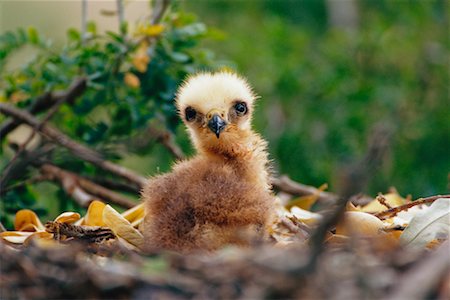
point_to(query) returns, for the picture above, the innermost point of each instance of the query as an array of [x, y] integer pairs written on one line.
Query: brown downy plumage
[[223, 192]]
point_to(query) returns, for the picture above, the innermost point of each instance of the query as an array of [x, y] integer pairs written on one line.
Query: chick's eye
[[190, 114], [241, 108]]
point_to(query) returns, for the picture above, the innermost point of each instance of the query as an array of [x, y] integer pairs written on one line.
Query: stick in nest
[[90, 234]]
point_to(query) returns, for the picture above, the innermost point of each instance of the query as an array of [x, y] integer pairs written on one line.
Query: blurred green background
[[329, 73]]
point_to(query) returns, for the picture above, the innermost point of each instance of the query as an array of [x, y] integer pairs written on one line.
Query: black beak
[[216, 124]]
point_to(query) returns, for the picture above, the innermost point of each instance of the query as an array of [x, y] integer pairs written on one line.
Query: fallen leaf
[[68, 217], [134, 213], [359, 223], [425, 226], [94, 215], [305, 202], [15, 237], [27, 220], [122, 227], [392, 199], [305, 216]]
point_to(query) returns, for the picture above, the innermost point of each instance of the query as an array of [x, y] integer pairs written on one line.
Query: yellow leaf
[[305, 202], [67, 217], [132, 80], [15, 237], [27, 220], [122, 227], [359, 223], [41, 235], [392, 199], [94, 215], [134, 213], [305, 216]]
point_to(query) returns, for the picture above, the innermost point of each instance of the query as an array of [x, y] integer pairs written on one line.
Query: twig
[[287, 185], [89, 234], [73, 91], [19, 167], [84, 12], [167, 139], [2, 228], [418, 282], [74, 147], [382, 200], [159, 9], [84, 189], [115, 184], [32, 180], [120, 14], [395, 210], [45, 101]]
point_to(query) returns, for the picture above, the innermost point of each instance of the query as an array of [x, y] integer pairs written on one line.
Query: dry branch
[[46, 101], [423, 278], [89, 234], [83, 190], [76, 148], [287, 185], [395, 210]]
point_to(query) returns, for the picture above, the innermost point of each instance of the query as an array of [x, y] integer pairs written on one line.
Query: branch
[[287, 185], [167, 139], [45, 101], [418, 282], [115, 184], [395, 210], [18, 168], [90, 234], [83, 190], [74, 147], [159, 9]]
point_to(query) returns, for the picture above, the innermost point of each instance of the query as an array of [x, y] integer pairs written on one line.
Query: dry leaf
[[305, 202], [305, 216], [122, 227], [27, 220], [15, 237], [94, 215], [68, 217], [359, 223], [393, 199], [134, 213], [427, 225]]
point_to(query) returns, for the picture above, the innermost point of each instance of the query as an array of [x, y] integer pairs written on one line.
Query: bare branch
[[395, 210], [84, 13], [167, 139], [159, 9], [418, 282], [74, 147], [47, 100], [120, 13], [83, 190], [287, 185]]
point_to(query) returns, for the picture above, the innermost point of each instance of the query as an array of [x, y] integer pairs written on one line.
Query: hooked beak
[[216, 124]]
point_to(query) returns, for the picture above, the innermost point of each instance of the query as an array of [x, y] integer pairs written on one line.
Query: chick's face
[[216, 108]]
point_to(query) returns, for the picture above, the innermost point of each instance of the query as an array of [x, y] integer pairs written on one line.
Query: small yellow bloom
[[132, 80]]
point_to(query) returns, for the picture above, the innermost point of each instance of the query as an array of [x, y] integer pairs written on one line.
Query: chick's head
[[217, 109]]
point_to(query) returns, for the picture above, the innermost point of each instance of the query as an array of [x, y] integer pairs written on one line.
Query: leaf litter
[[367, 254]]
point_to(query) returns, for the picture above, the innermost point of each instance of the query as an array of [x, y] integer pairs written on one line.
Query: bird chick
[[211, 199]]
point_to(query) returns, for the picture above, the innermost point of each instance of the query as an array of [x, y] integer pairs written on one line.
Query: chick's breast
[[202, 205]]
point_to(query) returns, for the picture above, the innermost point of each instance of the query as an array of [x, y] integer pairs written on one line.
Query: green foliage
[[324, 89]]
